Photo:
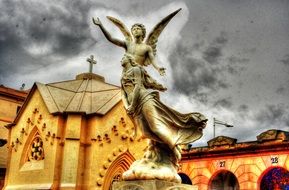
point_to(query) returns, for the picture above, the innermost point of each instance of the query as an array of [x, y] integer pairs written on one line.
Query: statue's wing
[[122, 27], [155, 33]]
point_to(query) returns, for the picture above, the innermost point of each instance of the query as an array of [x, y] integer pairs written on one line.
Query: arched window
[[116, 169], [224, 180], [275, 178], [185, 179], [33, 154], [117, 177]]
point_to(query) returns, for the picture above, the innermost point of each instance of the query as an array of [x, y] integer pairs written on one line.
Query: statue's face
[[137, 31]]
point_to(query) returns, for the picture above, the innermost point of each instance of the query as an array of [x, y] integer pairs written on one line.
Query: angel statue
[[143, 52], [165, 128]]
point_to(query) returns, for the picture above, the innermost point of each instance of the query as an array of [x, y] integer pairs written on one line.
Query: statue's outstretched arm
[[161, 70], [107, 34]]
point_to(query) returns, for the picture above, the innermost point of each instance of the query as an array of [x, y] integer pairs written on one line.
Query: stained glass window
[[36, 150], [276, 178]]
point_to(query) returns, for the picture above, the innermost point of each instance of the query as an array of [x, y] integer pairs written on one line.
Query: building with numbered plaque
[[225, 164]]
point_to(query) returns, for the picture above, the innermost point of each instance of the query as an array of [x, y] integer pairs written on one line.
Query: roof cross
[[91, 61]]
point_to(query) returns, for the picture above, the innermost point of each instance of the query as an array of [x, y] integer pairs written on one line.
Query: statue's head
[[128, 58], [138, 27]]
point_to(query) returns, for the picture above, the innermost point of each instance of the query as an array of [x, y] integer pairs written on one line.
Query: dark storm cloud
[[198, 45], [215, 50], [285, 60], [194, 72], [236, 64], [249, 50], [287, 122], [243, 108], [224, 102], [212, 54], [13, 57], [203, 77], [237, 60], [61, 29], [281, 90], [273, 115]]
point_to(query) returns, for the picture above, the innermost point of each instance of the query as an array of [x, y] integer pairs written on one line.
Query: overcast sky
[[227, 59]]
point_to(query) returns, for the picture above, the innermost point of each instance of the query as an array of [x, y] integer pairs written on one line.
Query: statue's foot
[[147, 170], [159, 162]]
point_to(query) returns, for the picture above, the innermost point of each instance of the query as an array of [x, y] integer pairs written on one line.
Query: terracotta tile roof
[[10, 92]]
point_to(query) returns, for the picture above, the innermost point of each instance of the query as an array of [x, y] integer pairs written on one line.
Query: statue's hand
[[162, 71], [96, 21]]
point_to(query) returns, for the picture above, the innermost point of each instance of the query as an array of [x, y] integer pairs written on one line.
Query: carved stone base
[[158, 163], [151, 185]]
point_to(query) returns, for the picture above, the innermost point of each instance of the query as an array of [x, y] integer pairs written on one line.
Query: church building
[[71, 135]]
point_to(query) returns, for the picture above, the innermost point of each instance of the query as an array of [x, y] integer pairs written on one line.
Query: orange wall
[[248, 169], [8, 111]]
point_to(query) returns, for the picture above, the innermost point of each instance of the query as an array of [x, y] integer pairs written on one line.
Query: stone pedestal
[[151, 185]]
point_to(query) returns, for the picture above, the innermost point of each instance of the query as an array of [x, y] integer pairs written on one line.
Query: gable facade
[[71, 149]]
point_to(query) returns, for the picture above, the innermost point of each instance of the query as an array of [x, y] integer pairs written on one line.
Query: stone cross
[[91, 61]]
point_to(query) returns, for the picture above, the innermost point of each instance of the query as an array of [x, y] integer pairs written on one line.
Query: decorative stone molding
[[122, 160], [272, 135], [127, 134], [221, 140], [151, 185]]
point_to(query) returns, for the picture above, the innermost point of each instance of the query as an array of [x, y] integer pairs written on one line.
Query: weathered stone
[[150, 185]]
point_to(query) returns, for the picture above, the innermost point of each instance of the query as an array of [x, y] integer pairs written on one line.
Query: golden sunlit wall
[[72, 150], [247, 168]]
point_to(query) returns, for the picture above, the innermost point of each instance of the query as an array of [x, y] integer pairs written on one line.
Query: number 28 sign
[[274, 160]]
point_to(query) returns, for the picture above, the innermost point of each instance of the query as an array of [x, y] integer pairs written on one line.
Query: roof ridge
[[73, 96], [61, 88], [107, 101], [52, 97], [106, 90], [82, 97]]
